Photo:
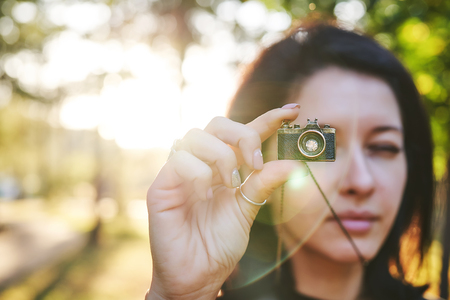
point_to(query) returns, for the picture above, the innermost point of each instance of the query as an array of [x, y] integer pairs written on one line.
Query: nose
[[359, 181]]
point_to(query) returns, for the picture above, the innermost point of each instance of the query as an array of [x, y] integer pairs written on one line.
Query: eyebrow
[[381, 129]]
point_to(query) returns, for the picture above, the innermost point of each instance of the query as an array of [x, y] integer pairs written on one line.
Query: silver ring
[[174, 148], [248, 200]]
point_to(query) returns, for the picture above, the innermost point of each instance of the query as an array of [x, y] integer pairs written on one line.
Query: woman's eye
[[384, 149]]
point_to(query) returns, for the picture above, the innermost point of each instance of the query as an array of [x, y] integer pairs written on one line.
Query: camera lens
[[311, 143]]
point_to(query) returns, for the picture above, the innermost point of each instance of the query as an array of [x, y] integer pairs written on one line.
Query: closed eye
[[387, 149]]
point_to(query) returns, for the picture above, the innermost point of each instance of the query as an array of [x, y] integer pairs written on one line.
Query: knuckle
[[191, 136], [227, 154], [193, 132], [205, 172], [181, 157], [216, 121], [250, 136]]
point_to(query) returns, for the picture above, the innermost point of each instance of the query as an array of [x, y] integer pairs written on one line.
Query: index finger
[[269, 122]]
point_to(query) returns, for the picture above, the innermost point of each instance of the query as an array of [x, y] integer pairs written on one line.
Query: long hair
[[269, 83]]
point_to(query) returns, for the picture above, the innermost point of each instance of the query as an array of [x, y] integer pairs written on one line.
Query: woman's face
[[366, 182]]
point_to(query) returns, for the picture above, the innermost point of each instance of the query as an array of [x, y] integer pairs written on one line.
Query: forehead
[[342, 97]]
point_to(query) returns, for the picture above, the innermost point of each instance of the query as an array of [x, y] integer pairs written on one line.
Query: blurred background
[[92, 94]]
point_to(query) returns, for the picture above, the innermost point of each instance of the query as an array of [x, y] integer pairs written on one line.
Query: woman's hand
[[199, 222]]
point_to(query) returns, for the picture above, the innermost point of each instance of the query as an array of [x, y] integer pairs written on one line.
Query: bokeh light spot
[[420, 32], [24, 12], [80, 112], [349, 12], [425, 83], [227, 10], [252, 15]]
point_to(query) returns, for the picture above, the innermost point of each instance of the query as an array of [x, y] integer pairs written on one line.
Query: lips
[[356, 222]]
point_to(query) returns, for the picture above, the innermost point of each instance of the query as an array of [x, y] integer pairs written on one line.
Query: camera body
[[310, 143]]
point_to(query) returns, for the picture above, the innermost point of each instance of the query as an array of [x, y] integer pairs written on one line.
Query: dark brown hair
[[269, 84]]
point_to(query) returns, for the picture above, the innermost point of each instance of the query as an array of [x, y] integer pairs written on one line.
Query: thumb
[[261, 184]]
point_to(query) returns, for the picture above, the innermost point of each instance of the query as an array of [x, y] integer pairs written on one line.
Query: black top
[[253, 294], [271, 288]]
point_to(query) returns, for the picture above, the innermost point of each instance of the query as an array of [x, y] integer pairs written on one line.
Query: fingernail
[[235, 178], [210, 194], [258, 160], [291, 105]]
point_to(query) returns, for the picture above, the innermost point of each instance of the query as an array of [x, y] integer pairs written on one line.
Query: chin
[[347, 257], [344, 253]]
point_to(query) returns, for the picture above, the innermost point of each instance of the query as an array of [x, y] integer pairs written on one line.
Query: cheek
[[390, 184]]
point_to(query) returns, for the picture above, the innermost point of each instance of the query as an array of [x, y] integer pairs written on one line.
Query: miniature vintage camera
[[310, 143]]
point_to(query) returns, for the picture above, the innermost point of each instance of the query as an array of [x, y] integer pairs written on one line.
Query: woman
[[380, 185]]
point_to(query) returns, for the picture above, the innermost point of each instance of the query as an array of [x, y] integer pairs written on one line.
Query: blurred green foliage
[[418, 32]]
